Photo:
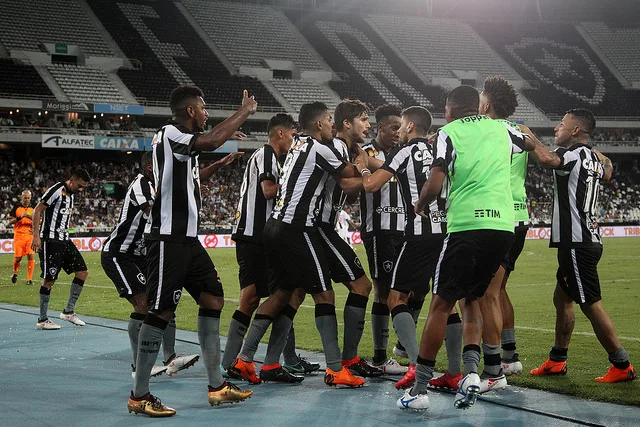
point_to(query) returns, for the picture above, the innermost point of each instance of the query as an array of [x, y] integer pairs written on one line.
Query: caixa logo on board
[[67, 141], [124, 144]]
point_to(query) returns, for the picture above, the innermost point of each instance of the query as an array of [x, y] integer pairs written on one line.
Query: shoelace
[[232, 386], [155, 402]]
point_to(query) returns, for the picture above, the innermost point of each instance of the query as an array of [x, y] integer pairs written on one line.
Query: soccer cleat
[[178, 363], [155, 371], [229, 393], [399, 351], [549, 367], [617, 375], [361, 368], [247, 370], [342, 378], [419, 401], [29, 282], [467, 391], [408, 379], [279, 375], [73, 318], [302, 367], [512, 366], [149, 405], [446, 381], [14, 278], [392, 367], [47, 325], [489, 382]]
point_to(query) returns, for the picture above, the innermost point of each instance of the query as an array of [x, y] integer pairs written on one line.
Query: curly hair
[[502, 96]]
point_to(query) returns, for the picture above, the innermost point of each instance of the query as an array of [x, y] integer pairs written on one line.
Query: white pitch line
[[587, 334]]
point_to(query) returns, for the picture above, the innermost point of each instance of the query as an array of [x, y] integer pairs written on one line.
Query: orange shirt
[[23, 225]]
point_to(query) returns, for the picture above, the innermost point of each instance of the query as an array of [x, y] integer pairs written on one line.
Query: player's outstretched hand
[[229, 158], [238, 136], [249, 102]]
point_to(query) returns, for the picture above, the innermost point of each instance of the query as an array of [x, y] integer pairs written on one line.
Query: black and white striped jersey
[[253, 208], [55, 219], [308, 165], [411, 163], [575, 197], [382, 211], [334, 198], [176, 175], [128, 236]]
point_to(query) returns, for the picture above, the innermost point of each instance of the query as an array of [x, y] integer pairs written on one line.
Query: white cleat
[[488, 383], [392, 367], [467, 391], [155, 371], [399, 352], [181, 362], [419, 401], [73, 318], [512, 366], [47, 325]]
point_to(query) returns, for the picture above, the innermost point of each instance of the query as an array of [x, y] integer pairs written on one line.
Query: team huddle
[[447, 209]]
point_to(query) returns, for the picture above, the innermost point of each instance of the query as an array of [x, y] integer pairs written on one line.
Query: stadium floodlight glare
[[17, 110]]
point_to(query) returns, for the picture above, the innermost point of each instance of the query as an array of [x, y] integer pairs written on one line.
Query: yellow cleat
[[229, 393], [149, 405]]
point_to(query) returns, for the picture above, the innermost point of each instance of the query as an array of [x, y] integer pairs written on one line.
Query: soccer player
[[415, 265], [473, 153], [175, 257], [123, 260], [21, 219], [577, 170], [55, 249], [499, 100], [343, 220], [352, 125], [296, 252], [257, 192]]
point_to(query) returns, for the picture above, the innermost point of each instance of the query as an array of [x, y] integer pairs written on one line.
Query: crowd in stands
[[95, 211], [79, 122]]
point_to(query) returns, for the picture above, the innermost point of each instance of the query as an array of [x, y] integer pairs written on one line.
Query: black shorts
[[468, 261], [382, 253], [416, 266], [344, 264], [297, 257], [174, 265], [56, 255], [520, 235], [254, 268], [127, 272], [578, 273]]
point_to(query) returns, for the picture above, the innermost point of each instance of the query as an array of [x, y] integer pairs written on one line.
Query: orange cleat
[[247, 370], [549, 367], [617, 375], [342, 378], [408, 379], [446, 381]]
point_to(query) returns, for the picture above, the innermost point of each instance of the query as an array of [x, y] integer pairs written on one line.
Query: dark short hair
[[311, 112], [464, 98], [281, 120], [585, 117], [181, 95], [502, 96], [387, 110], [81, 174], [348, 110], [147, 158], [420, 116]]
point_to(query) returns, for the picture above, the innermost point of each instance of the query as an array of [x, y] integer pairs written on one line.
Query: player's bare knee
[[139, 303], [82, 275], [326, 297], [361, 286], [210, 301], [18, 259]]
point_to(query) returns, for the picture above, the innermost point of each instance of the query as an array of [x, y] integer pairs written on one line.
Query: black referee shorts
[[382, 252], [520, 235], [254, 267], [174, 265], [416, 266], [468, 261], [127, 272], [56, 255], [578, 273], [344, 264], [297, 257]]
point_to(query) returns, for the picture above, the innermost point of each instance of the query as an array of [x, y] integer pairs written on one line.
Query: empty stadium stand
[[21, 80], [170, 52], [620, 45], [82, 84], [299, 92], [26, 24]]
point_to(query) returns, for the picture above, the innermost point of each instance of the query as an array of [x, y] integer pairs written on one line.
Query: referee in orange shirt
[[22, 236]]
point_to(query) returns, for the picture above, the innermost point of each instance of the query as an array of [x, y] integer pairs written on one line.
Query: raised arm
[[207, 171], [608, 166]]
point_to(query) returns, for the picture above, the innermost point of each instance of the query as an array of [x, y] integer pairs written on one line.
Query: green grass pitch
[[530, 287]]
